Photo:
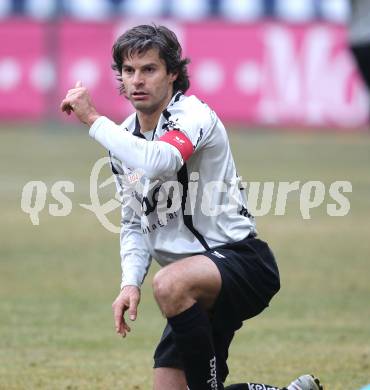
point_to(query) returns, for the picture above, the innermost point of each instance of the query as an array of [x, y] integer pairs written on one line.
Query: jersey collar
[[165, 113]]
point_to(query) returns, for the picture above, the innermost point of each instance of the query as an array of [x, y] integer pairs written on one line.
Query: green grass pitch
[[58, 279]]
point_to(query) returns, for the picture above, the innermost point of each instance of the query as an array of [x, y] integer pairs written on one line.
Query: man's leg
[[185, 290], [166, 378], [181, 284]]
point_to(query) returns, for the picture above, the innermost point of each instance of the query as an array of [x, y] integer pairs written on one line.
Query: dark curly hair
[[142, 38]]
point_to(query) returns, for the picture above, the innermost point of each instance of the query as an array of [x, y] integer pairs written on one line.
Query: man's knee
[[162, 285], [169, 289]]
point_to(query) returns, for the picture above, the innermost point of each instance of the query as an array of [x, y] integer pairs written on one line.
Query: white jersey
[[181, 194]]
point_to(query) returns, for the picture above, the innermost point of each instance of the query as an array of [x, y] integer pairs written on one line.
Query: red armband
[[180, 141]]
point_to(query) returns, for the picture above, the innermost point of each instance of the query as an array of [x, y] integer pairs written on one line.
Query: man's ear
[[174, 76]]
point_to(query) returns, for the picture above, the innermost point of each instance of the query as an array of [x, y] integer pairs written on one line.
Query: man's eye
[[150, 70], [128, 70]]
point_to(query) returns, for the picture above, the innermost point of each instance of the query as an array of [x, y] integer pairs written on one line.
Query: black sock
[[193, 337], [251, 386]]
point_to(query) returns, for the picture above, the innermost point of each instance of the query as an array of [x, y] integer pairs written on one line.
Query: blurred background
[[260, 62], [289, 79]]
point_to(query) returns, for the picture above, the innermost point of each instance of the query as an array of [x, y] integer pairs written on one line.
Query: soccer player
[[183, 204]]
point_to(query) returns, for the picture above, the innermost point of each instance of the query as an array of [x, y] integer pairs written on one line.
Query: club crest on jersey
[[171, 125]]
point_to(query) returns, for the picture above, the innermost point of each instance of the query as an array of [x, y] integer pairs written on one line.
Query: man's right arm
[[135, 258]]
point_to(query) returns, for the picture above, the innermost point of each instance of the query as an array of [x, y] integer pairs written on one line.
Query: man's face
[[147, 84]]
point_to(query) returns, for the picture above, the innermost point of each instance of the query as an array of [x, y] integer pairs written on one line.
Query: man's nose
[[138, 79]]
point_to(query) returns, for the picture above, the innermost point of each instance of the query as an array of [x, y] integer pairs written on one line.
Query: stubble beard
[[147, 108]]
